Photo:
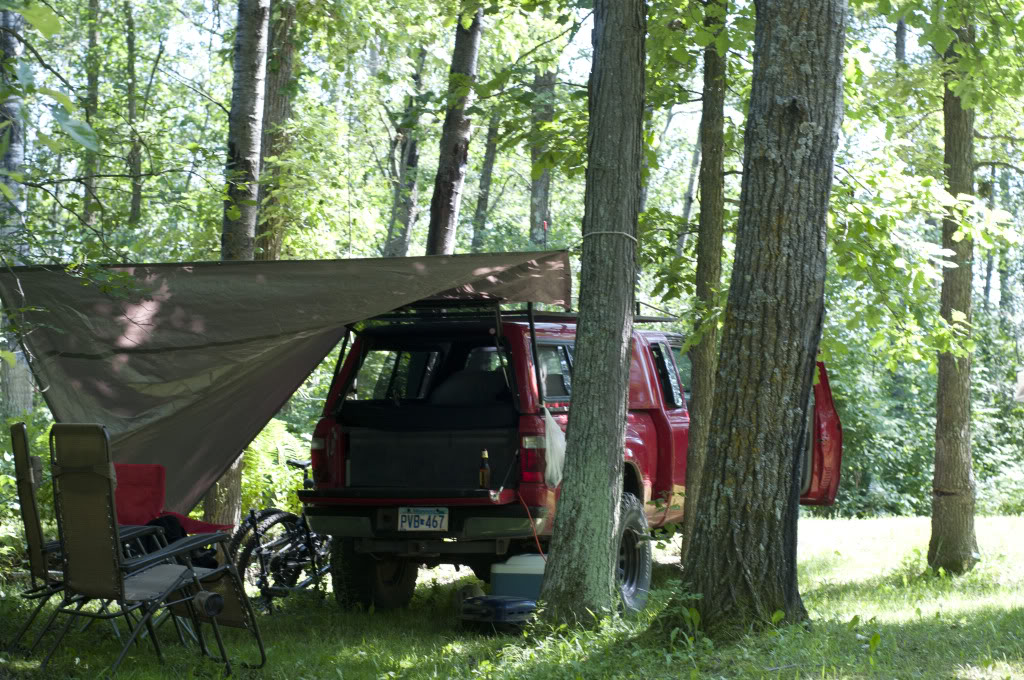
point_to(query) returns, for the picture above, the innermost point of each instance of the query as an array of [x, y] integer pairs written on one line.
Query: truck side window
[[555, 371], [395, 374], [685, 369], [667, 376]]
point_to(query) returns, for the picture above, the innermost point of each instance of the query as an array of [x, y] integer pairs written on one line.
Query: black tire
[[279, 529], [633, 566], [245, 528], [362, 580]]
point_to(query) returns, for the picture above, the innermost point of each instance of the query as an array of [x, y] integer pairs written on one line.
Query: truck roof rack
[[476, 310]]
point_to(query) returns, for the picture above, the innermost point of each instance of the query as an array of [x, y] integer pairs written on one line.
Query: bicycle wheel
[[245, 528], [271, 558]]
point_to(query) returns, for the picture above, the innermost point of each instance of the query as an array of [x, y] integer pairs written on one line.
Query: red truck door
[[821, 469]]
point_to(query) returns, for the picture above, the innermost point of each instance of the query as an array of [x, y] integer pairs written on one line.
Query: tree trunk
[[16, 379], [540, 188], [222, 503], [580, 574], [406, 194], [742, 555], [953, 545], [704, 355], [454, 155], [135, 152], [483, 196], [244, 123], [901, 41], [90, 202], [277, 110], [694, 169]]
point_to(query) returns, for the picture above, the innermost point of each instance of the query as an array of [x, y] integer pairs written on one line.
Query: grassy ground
[[875, 615]]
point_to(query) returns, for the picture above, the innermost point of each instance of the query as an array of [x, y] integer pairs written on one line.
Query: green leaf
[[78, 130], [7, 356], [6, 191], [778, 616], [64, 100], [233, 212], [42, 19]]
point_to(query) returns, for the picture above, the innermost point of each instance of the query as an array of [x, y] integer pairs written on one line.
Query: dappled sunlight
[[139, 319]]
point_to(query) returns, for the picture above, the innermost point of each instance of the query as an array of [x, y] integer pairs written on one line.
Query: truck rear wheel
[[360, 579], [633, 566]]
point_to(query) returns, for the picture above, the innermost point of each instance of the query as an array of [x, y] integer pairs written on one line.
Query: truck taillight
[[322, 449], [531, 457]]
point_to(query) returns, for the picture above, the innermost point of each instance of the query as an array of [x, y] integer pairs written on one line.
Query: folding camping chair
[[94, 568], [140, 495], [28, 471]]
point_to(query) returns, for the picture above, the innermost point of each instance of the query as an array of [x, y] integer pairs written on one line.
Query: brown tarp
[[187, 373]]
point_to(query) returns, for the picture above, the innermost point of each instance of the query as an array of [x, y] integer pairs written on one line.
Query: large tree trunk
[[90, 202], [406, 190], [451, 164], [244, 130], [580, 574], [222, 503], [953, 545], [135, 152], [540, 188], [742, 555], [483, 196], [704, 355], [16, 379], [277, 110]]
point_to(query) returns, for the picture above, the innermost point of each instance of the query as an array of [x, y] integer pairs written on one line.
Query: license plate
[[423, 519]]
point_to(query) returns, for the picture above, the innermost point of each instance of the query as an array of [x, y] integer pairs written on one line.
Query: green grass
[[875, 614]]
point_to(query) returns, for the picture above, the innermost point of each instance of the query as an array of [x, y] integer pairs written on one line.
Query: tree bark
[[16, 379], [135, 152], [277, 110], [953, 545], [901, 41], [90, 201], [455, 133], [244, 130], [483, 196], [580, 572], [742, 555], [405, 193], [694, 169], [222, 503], [704, 355], [540, 188]]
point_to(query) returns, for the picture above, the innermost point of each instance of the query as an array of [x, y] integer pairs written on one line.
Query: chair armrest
[[129, 532], [195, 526], [174, 550]]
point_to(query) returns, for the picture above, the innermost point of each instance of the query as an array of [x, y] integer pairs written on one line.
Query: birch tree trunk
[[688, 200], [277, 110], [540, 188], [135, 151], [455, 133], [580, 572], [406, 192], [244, 130], [483, 196], [704, 356], [90, 202], [742, 556], [16, 379], [953, 545], [222, 503]]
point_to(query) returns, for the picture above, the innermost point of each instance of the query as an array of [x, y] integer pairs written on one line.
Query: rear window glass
[[555, 372], [394, 374]]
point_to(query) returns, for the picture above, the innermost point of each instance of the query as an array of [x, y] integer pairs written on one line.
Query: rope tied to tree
[[620, 233]]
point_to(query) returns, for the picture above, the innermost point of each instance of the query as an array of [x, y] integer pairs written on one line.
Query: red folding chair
[[139, 498]]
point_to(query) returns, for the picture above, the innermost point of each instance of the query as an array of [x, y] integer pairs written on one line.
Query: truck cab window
[[555, 371], [667, 376]]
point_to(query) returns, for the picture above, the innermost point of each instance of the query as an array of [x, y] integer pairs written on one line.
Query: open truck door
[[824, 455]]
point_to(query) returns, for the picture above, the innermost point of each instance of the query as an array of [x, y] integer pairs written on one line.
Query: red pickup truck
[[397, 455]]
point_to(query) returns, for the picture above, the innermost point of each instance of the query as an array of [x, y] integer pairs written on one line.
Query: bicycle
[[275, 547]]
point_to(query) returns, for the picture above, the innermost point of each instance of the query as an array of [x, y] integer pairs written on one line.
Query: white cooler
[[518, 576]]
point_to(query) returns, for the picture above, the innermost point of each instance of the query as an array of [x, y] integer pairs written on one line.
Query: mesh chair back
[[27, 472], [83, 490]]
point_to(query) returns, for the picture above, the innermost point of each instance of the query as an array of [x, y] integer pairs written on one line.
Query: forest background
[[116, 120]]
